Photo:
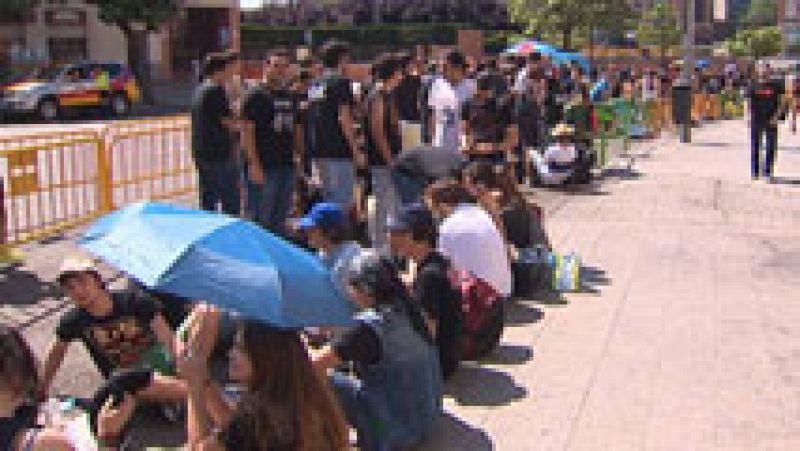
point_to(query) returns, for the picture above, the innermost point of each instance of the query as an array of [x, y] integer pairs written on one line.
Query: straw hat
[[563, 130]]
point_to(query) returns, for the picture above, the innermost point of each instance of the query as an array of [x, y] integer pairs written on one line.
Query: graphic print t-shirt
[[119, 340], [764, 101]]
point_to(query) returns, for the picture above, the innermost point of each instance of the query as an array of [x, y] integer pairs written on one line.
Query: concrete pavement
[[685, 337]]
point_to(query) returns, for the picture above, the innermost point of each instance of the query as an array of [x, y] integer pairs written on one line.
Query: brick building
[[64, 31], [488, 13]]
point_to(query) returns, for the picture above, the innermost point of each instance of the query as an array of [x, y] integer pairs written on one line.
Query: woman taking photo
[[393, 396], [286, 405], [19, 382]]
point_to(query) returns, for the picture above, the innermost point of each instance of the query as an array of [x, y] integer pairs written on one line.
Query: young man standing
[[120, 329], [213, 125], [446, 101], [383, 141], [336, 151], [765, 105], [272, 141]]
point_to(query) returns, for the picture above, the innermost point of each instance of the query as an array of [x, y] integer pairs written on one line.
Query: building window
[[65, 18], [67, 50]]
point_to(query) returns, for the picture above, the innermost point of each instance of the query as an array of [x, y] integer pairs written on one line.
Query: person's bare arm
[[511, 139], [299, 148], [348, 128], [53, 360], [378, 129], [163, 333], [254, 168]]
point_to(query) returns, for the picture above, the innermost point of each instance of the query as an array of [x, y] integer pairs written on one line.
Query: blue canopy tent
[[558, 56]]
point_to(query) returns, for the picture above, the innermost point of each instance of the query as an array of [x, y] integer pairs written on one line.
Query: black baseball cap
[[413, 218]]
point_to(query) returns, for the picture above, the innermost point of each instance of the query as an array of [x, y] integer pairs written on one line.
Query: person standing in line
[[407, 98], [764, 97], [447, 99], [213, 126], [270, 143], [337, 152], [382, 133]]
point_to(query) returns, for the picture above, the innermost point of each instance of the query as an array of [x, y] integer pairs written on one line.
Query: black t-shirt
[[11, 428], [489, 118], [360, 345], [326, 96], [764, 101], [275, 115], [433, 290], [529, 117], [211, 141], [407, 97], [392, 131], [120, 339]]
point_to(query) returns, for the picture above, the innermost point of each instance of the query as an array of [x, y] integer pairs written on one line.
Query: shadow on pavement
[[450, 433], [592, 279], [506, 354], [518, 314], [21, 287], [551, 298], [626, 173], [485, 387], [786, 181]]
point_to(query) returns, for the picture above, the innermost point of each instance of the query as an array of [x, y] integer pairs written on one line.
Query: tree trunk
[[566, 38], [136, 61]]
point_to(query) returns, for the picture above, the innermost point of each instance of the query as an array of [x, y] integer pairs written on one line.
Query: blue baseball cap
[[414, 218], [325, 215]]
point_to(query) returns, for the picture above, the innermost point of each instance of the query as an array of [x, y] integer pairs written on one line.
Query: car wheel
[[48, 110], [120, 106]]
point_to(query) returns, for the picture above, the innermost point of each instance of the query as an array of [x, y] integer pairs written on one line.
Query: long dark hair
[[18, 369], [378, 276], [288, 402]]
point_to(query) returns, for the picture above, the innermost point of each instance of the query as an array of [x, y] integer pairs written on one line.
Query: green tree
[[756, 43], [15, 6], [762, 13], [610, 16], [564, 17], [137, 18], [659, 27]]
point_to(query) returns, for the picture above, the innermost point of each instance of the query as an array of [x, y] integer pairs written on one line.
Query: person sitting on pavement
[[491, 126], [286, 404], [120, 329], [556, 165], [325, 228], [19, 411], [412, 235], [396, 394], [468, 235]]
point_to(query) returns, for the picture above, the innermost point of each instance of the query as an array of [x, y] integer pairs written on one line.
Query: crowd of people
[[312, 155]]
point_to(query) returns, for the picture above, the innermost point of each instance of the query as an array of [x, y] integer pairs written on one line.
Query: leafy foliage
[[568, 17], [659, 27], [762, 13], [756, 43], [125, 13]]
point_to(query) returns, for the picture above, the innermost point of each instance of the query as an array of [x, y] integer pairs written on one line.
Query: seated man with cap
[[558, 162], [124, 332], [325, 229]]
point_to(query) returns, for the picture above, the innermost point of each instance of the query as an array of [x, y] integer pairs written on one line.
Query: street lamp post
[[688, 62]]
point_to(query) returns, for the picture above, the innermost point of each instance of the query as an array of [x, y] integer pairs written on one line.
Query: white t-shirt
[[446, 103], [556, 153], [470, 239]]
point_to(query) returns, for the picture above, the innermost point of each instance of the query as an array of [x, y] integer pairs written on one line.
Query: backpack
[[483, 315]]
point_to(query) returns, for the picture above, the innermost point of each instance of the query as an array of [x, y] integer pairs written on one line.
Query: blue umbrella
[[575, 57], [222, 260]]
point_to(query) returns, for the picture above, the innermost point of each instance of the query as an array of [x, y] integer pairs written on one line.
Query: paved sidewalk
[[687, 338]]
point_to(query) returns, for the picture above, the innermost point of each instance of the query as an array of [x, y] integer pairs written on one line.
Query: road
[[683, 338]]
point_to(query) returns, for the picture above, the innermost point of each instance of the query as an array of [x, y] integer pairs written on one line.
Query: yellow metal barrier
[[53, 182]]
